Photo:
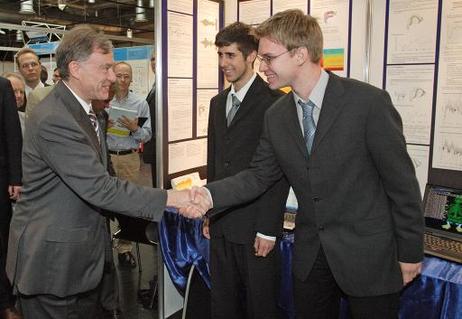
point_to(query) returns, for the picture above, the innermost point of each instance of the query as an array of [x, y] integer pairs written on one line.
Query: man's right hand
[[206, 228]]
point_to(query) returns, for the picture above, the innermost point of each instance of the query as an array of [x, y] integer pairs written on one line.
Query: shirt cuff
[[272, 238], [210, 196]]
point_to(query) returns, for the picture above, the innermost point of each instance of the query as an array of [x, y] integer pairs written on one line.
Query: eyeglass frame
[[269, 59]]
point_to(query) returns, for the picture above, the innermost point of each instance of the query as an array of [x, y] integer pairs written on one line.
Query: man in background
[[30, 68], [10, 186], [109, 297], [244, 265], [56, 76], [40, 93], [124, 148], [17, 82]]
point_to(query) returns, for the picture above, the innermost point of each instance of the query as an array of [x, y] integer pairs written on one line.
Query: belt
[[123, 152]]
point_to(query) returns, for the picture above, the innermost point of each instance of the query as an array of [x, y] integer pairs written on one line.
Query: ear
[[302, 55], [74, 69], [251, 57]]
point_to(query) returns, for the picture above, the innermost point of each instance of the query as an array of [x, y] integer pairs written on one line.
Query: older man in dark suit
[[339, 142], [59, 242], [10, 185]]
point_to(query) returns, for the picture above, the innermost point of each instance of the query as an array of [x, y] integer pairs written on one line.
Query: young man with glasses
[[340, 144]]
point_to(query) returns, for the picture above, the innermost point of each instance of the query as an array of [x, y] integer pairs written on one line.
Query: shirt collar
[[243, 91], [317, 94], [87, 107]]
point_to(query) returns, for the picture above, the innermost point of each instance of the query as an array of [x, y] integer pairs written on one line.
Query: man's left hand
[[410, 271], [263, 246], [130, 124], [14, 191]]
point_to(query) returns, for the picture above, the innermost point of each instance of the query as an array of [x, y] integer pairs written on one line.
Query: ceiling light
[[140, 16], [62, 5], [129, 33], [19, 36], [27, 7], [151, 3], [91, 1]]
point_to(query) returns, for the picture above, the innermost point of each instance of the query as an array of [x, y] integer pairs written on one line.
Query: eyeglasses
[[268, 59], [29, 65]]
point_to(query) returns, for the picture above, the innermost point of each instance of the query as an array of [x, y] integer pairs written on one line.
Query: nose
[[222, 62], [111, 75], [263, 66]]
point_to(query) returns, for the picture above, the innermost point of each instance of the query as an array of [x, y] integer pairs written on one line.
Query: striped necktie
[[95, 123], [309, 126], [232, 112]]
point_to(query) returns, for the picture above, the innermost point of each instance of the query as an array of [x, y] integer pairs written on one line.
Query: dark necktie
[[232, 112], [309, 127], [94, 122]]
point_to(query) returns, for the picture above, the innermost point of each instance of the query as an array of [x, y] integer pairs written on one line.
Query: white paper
[[207, 58], [140, 84], [255, 11], [420, 155], [282, 5], [185, 6], [180, 44], [186, 155], [333, 18], [180, 109], [411, 90], [447, 145], [412, 31], [203, 105]]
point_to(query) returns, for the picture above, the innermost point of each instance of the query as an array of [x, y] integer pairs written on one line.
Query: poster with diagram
[[447, 144]]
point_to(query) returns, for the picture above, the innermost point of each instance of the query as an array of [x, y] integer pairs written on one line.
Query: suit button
[[227, 164], [316, 199], [321, 228]]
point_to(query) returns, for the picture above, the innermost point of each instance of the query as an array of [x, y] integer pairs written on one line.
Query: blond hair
[[294, 29]]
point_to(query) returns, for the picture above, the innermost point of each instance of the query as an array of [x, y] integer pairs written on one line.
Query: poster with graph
[[447, 145]]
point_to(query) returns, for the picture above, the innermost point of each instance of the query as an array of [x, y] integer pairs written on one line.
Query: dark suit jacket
[[230, 150], [10, 145], [149, 152], [58, 236], [10, 133], [358, 195]]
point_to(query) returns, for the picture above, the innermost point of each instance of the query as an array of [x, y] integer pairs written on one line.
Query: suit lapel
[[221, 110], [331, 106], [292, 124], [102, 129], [251, 98], [77, 111]]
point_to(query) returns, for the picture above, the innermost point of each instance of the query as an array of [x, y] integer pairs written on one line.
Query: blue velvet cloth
[[182, 245], [437, 293]]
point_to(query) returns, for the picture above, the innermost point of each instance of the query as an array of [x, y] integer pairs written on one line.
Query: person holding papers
[[130, 125]]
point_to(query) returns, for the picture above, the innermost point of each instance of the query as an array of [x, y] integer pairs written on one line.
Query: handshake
[[191, 203]]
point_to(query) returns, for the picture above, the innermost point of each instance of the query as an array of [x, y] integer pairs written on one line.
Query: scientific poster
[[447, 144], [282, 5], [255, 11], [186, 155], [333, 17], [180, 43], [207, 59], [420, 155], [180, 109], [184, 6], [203, 105], [412, 31], [411, 90]]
